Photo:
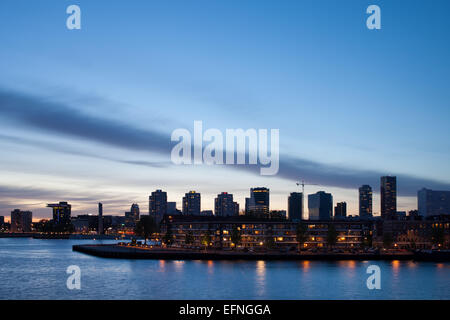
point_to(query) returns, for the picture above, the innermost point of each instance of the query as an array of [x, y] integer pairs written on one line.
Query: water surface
[[36, 269]]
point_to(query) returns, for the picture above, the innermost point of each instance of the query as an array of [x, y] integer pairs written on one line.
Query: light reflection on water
[[36, 269]]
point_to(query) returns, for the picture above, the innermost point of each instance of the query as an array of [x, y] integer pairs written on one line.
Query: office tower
[[236, 208], [224, 205], [135, 212], [2, 220], [191, 203], [61, 213], [320, 206], [172, 208], [433, 203], [340, 211], [365, 201], [21, 221], [100, 218], [249, 204], [132, 216], [388, 193], [158, 205], [295, 206], [258, 203]]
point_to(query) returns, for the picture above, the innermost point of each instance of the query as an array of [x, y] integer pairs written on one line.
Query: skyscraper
[[295, 206], [388, 193], [158, 205], [100, 218], [320, 206], [258, 204], [61, 213], [132, 216], [433, 203], [365, 201], [135, 212], [225, 206], [340, 211], [21, 221], [191, 203]]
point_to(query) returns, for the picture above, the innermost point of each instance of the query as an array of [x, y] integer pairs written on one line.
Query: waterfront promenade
[[136, 252]]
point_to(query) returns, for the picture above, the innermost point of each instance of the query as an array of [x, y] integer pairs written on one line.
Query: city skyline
[[158, 203], [86, 115]]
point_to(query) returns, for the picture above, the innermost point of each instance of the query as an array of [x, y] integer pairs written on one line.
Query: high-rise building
[[132, 216], [365, 201], [2, 220], [100, 218], [61, 213], [388, 193], [191, 203], [320, 206], [295, 206], [433, 203], [225, 206], [258, 204], [158, 205], [21, 221], [135, 212], [340, 211]]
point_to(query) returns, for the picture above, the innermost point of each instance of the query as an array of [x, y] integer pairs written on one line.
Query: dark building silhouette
[[225, 206], [192, 203], [340, 211], [365, 202], [172, 208], [388, 193], [61, 213], [21, 221], [158, 205], [320, 206], [100, 218], [295, 206], [259, 202], [132, 216], [433, 203]]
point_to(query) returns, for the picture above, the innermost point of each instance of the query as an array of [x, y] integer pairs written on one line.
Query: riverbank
[[65, 236], [129, 252]]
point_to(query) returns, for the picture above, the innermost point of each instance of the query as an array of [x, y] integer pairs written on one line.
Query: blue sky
[[78, 106]]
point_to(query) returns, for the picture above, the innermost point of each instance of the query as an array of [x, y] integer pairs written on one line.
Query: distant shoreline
[[125, 252]]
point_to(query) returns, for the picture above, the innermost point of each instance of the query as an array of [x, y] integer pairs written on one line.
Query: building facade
[[158, 205], [295, 206], [264, 233], [433, 203], [258, 204], [225, 206], [61, 213], [388, 194], [365, 202], [192, 203], [320, 206], [21, 221], [340, 211]]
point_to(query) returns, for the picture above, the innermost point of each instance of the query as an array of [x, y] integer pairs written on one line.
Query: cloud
[[50, 146], [53, 117], [60, 119]]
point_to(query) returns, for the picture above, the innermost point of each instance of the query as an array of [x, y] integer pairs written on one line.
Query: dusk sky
[[86, 115]]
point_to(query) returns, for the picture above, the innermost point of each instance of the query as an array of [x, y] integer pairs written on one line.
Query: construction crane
[[303, 184]]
